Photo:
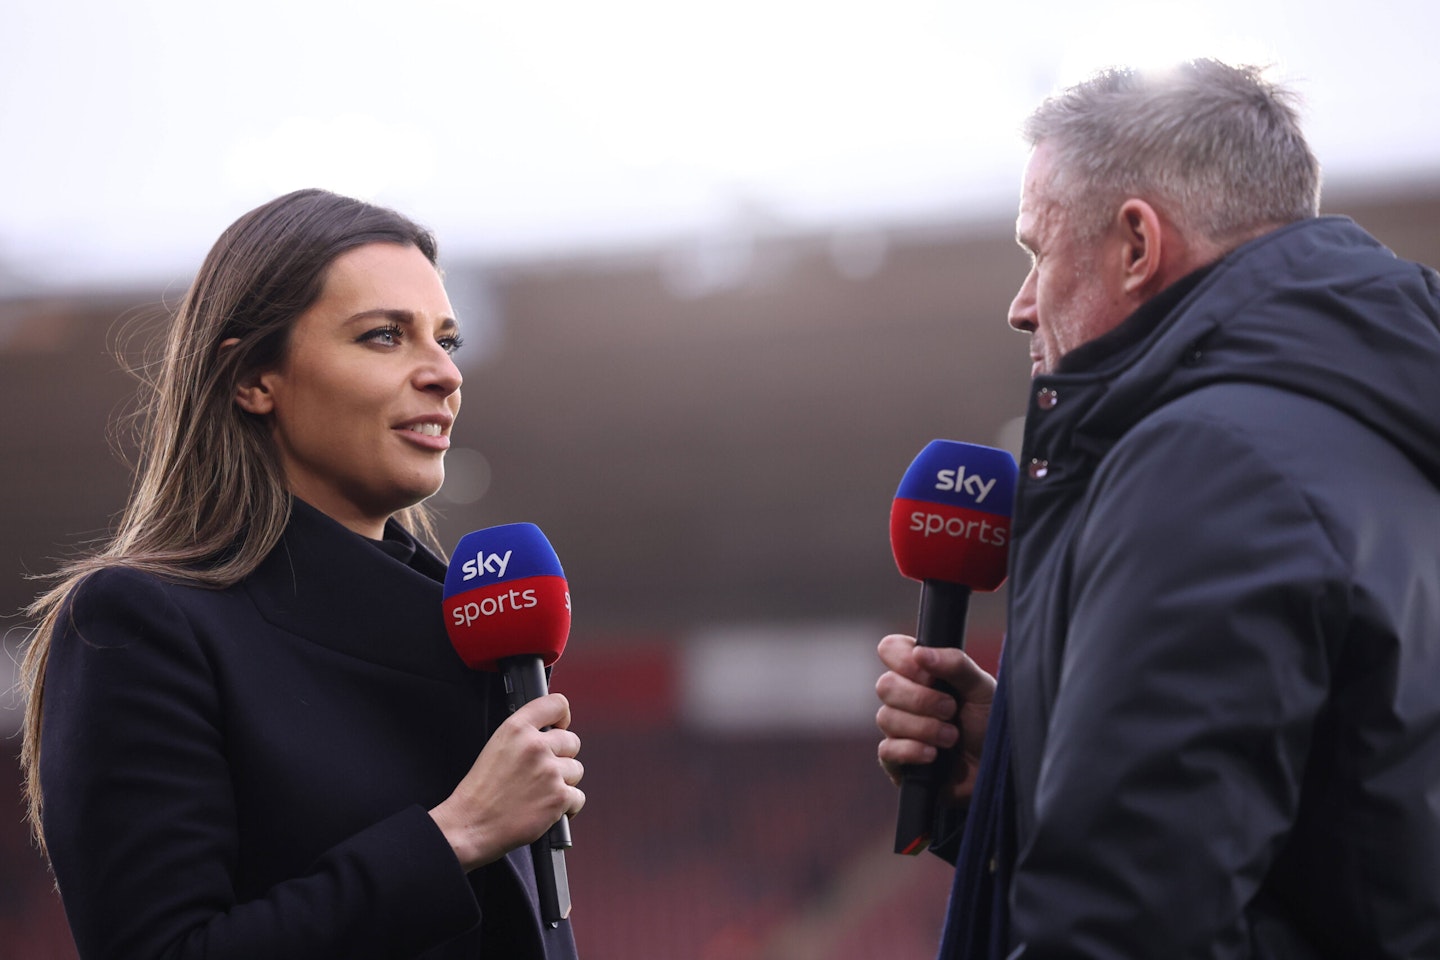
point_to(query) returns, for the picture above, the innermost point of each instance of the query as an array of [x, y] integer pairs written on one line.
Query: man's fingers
[[897, 754], [897, 652], [924, 665], [956, 668], [931, 731], [918, 720], [905, 694]]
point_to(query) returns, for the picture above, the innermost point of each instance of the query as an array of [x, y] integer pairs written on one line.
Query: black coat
[[1224, 647], [245, 773]]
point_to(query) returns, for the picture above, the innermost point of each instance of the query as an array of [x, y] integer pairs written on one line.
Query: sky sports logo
[[499, 594], [504, 572], [950, 520], [505, 596], [489, 604], [963, 475], [980, 529], [959, 481], [969, 526], [484, 564]]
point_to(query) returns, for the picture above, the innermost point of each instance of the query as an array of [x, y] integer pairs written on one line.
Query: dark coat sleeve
[[140, 815], [1204, 620]]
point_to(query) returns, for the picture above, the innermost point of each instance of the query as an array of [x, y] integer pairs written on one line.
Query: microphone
[[949, 529], [507, 609]]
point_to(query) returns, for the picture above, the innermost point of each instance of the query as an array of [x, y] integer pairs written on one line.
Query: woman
[[247, 727]]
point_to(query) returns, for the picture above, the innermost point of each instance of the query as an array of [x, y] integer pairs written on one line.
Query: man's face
[[1069, 297]]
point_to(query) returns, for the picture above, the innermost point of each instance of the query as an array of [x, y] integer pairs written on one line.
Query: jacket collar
[[1106, 350], [335, 588], [1317, 307]]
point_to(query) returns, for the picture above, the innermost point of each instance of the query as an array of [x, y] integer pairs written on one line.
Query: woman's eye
[[385, 335], [450, 344]]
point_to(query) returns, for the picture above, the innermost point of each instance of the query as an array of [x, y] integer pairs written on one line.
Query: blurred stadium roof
[[134, 132]]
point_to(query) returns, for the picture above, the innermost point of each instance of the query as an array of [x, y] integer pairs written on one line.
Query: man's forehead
[[1037, 200], [1039, 216], [1039, 170], [1025, 228]]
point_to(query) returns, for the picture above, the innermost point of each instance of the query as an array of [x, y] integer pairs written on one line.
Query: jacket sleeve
[[140, 821], [1206, 607]]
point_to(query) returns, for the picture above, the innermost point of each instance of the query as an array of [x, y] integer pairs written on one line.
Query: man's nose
[[1023, 315]]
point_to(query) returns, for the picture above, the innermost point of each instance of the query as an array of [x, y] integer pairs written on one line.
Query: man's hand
[[918, 721]]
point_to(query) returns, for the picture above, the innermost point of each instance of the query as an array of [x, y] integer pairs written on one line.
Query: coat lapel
[[331, 586]]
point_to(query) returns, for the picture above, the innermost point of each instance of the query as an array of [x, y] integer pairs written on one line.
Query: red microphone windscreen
[[506, 596], [950, 520]]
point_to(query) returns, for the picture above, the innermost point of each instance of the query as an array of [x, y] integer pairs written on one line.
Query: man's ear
[[252, 394], [1143, 239]]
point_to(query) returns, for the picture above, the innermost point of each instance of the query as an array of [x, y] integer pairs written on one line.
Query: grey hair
[[1218, 148]]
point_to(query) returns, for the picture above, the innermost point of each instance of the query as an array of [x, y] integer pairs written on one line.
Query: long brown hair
[[209, 500]]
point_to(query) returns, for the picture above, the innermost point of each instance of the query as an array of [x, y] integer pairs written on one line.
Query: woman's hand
[[521, 784]]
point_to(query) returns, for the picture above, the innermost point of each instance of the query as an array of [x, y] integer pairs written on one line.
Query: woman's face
[[362, 404]]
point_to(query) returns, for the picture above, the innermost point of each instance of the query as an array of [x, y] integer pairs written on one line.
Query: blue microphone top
[[500, 554], [962, 475]]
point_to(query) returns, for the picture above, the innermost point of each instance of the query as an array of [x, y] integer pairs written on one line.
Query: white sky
[[132, 133]]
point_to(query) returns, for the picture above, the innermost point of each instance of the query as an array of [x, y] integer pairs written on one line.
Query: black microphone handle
[[525, 681], [941, 623]]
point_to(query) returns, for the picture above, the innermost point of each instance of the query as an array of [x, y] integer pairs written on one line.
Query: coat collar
[[1317, 307], [333, 587]]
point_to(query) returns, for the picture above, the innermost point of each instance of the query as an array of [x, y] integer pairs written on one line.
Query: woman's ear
[[252, 394]]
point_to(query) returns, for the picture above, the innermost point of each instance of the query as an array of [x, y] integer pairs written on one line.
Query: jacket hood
[[1319, 308]]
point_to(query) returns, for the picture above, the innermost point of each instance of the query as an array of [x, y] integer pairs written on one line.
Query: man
[[1217, 731]]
